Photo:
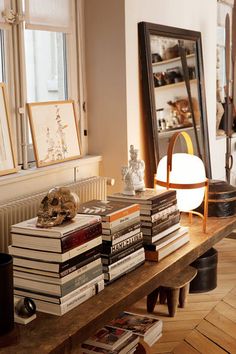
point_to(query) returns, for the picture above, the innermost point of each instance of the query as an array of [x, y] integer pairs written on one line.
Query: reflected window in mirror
[[173, 90]]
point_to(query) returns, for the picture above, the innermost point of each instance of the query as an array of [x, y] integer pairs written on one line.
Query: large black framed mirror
[[173, 91]]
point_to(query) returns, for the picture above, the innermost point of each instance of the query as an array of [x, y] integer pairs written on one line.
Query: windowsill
[[42, 171]]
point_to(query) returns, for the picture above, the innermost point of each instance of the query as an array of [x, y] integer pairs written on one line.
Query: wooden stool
[[174, 290]]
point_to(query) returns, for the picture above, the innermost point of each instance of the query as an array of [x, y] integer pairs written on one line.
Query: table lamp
[[185, 173]]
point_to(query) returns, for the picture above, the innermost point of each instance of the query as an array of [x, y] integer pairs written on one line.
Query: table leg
[[152, 300]]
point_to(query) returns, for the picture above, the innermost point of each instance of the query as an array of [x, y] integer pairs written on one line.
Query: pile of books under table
[[122, 239], [122, 335], [160, 216], [58, 267]]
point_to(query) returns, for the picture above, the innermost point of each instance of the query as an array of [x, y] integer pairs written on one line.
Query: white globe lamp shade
[[186, 170]]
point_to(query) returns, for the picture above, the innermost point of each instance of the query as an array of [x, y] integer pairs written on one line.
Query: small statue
[[59, 205], [133, 175]]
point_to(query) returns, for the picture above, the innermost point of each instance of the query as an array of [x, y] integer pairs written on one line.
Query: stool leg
[[152, 300], [183, 295], [172, 300], [162, 296]]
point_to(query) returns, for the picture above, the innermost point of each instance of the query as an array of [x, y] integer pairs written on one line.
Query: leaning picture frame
[[8, 162], [55, 132]]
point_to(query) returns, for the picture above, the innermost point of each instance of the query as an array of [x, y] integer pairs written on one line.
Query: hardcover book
[[146, 327], [28, 227], [109, 337], [166, 239], [108, 210], [149, 196], [164, 251]]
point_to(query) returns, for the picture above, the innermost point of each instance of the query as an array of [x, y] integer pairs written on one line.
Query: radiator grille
[[26, 207]]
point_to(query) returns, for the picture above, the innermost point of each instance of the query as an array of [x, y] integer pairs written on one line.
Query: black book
[[153, 231], [110, 259], [109, 249]]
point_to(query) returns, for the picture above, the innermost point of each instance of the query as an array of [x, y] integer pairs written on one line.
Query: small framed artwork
[[7, 153], [55, 132]]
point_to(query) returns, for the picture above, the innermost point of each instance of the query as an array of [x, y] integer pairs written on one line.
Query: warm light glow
[[186, 169]]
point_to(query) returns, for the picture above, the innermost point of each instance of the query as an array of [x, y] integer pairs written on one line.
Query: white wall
[[114, 85]]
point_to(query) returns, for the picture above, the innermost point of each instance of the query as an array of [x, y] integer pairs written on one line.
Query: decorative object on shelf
[[60, 204], [6, 294], [7, 154], [133, 175], [185, 173], [55, 131], [25, 307]]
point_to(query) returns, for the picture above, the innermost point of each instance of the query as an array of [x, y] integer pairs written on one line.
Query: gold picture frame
[[8, 162], [55, 132]]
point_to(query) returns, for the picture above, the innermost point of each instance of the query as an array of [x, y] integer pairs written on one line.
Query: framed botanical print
[[55, 132], [7, 153]]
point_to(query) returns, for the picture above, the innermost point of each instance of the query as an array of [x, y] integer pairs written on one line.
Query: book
[[156, 256], [98, 281], [110, 259], [160, 214], [58, 289], [59, 269], [146, 327], [124, 260], [61, 309], [28, 227], [59, 281], [109, 337], [108, 210], [166, 239], [63, 244], [109, 249], [149, 196], [165, 219], [52, 256], [125, 267], [147, 210], [127, 347], [122, 234], [112, 224], [153, 234], [121, 226]]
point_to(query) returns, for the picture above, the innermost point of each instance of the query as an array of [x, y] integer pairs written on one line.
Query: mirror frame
[[145, 29]]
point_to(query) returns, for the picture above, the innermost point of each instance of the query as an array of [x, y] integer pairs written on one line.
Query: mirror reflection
[[173, 90]]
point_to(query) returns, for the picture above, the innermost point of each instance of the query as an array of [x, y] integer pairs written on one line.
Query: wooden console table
[[53, 334]]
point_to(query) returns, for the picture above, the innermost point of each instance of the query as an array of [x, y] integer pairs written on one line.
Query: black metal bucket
[[206, 278]]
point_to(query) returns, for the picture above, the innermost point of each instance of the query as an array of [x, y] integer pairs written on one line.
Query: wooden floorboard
[[207, 324]]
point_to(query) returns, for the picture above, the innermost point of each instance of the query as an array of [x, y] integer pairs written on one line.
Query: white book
[[59, 300], [123, 260], [59, 281], [120, 221], [159, 235], [61, 309], [28, 227], [52, 256], [167, 239]]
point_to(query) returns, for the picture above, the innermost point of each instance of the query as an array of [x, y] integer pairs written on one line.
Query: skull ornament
[[58, 205]]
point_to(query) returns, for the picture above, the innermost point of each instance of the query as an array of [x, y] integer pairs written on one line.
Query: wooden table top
[[53, 334]]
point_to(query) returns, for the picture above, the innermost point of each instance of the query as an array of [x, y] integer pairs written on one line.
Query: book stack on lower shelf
[[58, 267], [133, 328], [122, 239], [160, 216]]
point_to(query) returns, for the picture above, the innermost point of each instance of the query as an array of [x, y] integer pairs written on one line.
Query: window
[[41, 52]]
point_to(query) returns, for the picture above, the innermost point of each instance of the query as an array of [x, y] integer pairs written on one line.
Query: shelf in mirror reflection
[[172, 60], [176, 84], [169, 132]]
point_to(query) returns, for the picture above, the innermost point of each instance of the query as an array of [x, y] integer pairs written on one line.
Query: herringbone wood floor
[[207, 324]]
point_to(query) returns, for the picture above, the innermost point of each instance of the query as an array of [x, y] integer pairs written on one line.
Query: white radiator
[[26, 207]]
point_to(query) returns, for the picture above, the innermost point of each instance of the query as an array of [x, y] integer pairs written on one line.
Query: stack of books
[[122, 239], [128, 328], [58, 267], [110, 340], [160, 216]]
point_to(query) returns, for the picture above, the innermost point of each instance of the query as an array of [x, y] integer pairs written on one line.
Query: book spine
[[81, 236], [121, 226], [112, 224], [71, 264], [122, 213], [160, 220], [79, 265], [126, 267], [81, 280], [107, 249], [124, 237], [120, 233], [80, 249], [145, 210], [160, 214], [107, 260], [152, 232], [122, 261]]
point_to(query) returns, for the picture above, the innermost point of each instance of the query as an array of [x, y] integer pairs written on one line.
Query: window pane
[[45, 56], [2, 58]]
